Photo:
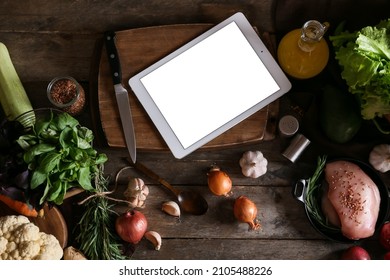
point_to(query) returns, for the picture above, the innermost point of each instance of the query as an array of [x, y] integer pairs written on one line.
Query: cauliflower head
[[21, 240]]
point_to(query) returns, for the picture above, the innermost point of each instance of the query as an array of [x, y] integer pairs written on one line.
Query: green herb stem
[[97, 238], [312, 195]]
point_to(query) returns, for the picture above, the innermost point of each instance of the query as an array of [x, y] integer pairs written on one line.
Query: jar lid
[[288, 125]]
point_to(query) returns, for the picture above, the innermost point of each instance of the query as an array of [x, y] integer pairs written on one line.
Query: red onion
[[245, 210], [131, 226]]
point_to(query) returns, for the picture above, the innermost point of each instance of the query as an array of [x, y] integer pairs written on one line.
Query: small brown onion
[[245, 210], [131, 226], [219, 181]]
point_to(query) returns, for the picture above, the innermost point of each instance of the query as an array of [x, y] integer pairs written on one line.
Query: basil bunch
[[59, 154]]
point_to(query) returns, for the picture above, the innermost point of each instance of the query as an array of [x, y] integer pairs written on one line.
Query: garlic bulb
[[253, 164], [379, 157], [136, 193]]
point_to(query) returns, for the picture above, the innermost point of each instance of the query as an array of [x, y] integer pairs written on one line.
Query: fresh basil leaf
[[61, 195], [84, 178], [45, 193], [37, 179], [83, 144], [67, 165], [42, 148], [26, 141], [101, 158], [54, 190], [36, 150], [40, 126], [76, 154], [64, 119], [86, 134], [66, 137], [23, 143], [49, 162], [91, 152], [50, 135]]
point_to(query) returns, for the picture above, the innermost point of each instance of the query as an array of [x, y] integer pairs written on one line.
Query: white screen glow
[[209, 84]]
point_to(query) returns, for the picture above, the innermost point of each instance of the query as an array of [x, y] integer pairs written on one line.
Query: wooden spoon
[[190, 201]]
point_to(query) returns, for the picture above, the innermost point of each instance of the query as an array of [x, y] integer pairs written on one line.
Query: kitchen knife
[[122, 97]]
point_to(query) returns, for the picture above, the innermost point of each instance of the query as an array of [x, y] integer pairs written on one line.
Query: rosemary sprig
[[312, 195], [96, 237]]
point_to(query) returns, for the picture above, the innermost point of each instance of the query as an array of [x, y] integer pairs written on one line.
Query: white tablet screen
[[208, 85]]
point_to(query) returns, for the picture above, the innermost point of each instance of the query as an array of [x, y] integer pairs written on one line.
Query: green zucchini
[[340, 116], [13, 97]]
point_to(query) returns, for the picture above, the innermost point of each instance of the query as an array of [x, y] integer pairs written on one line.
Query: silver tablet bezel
[[161, 123]]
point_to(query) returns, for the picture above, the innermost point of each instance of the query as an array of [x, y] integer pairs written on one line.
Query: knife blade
[[121, 94]]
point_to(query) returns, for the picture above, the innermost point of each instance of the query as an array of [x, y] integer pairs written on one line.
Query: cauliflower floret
[[24, 232], [21, 239], [50, 247], [29, 249], [8, 224], [3, 244]]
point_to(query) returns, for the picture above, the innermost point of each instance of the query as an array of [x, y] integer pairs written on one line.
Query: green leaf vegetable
[[364, 57], [59, 154]]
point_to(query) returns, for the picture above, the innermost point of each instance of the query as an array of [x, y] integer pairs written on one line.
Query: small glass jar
[[66, 94]]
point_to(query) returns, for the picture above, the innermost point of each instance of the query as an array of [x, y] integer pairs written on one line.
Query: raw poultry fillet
[[352, 201]]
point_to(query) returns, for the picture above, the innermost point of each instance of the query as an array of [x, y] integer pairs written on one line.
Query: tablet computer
[[209, 85]]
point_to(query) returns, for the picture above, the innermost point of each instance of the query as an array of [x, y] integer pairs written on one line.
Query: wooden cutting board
[[139, 48]]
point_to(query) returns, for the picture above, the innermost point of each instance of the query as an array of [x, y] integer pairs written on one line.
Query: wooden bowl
[[53, 222]]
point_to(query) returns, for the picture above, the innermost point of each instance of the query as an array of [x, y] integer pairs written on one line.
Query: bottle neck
[[311, 34]]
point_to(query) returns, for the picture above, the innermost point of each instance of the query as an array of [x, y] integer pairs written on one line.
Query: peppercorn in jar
[[67, 94]]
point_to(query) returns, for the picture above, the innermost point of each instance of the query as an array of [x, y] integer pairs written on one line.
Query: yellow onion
[[219, 181], [245, 210]]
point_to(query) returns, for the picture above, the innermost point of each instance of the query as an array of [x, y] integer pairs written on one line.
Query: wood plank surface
[[139, 48], [51, 38]]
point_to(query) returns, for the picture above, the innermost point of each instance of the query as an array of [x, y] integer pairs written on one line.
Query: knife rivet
[[116, 74], [112, 56]]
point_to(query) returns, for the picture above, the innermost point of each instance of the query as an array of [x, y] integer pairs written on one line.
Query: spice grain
[[67, 94]]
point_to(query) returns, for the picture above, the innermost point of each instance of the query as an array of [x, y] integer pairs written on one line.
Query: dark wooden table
[[286, 232], [48, 40]]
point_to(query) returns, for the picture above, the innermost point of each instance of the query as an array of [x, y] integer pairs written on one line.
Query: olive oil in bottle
[[303, 53]]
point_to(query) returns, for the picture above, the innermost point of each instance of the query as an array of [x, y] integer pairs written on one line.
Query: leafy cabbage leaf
[[364, 57]]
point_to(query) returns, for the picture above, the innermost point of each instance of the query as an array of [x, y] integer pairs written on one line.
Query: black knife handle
[[113, 58]]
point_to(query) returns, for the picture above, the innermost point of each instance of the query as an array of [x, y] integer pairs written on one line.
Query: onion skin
[[219, 182], [245, 210], [131, 226]]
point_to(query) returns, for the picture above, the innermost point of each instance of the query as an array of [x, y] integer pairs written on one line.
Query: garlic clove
[[171, 208], [155, 238], [145, 190], [142, 197], [71, 253]]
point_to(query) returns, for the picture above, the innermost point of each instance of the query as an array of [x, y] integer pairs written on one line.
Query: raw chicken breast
[[354, 197]]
